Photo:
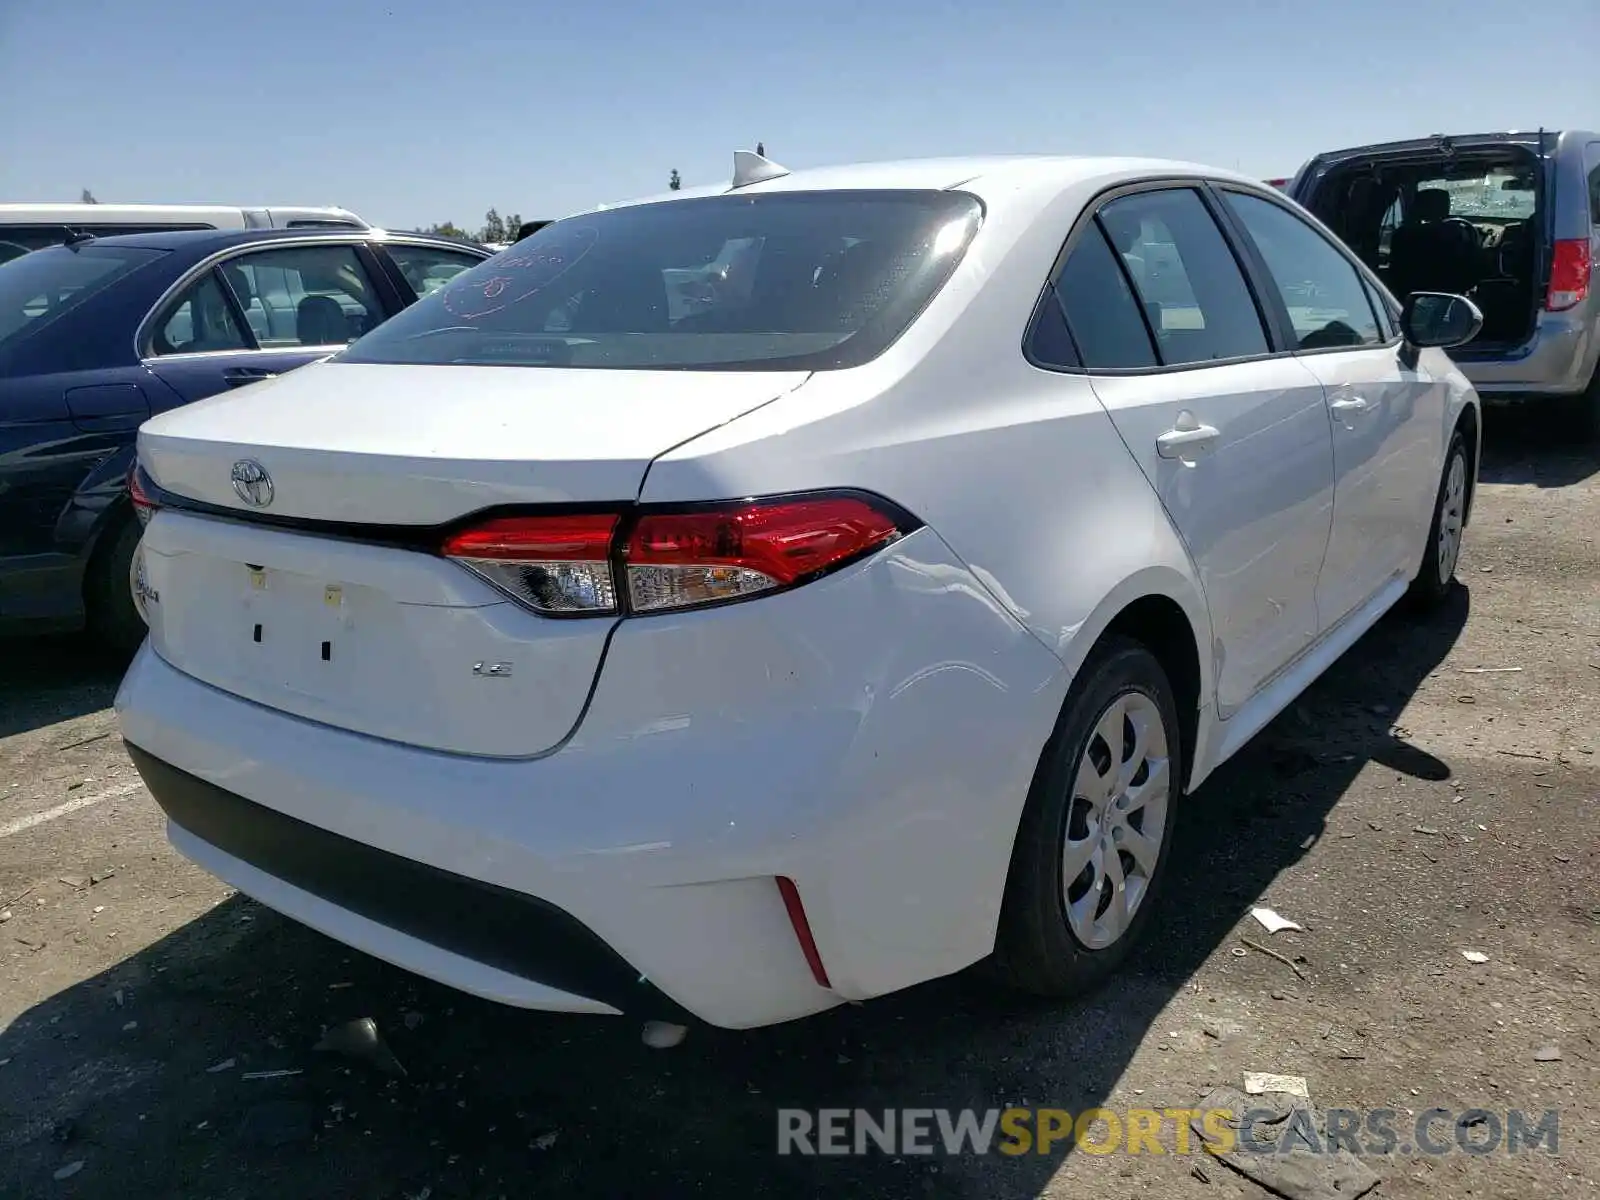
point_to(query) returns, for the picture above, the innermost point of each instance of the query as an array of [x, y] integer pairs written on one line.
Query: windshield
[[36, 288], [784, 281], [1498, 194]]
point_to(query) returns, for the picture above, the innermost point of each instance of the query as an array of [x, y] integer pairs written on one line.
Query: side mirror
[[1439, 319]]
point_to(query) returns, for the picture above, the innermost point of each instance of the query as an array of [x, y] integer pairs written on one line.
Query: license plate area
[[299, 633]]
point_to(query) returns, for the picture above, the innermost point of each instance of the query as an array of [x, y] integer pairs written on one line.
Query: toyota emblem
[[252, 483]]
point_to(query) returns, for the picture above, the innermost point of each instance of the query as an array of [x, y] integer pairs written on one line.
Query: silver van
[[25, 227], [1511, 220]]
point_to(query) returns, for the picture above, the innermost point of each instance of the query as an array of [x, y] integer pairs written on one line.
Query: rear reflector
[[710, 554], [144, 507], [1569, 274], [802, 930]]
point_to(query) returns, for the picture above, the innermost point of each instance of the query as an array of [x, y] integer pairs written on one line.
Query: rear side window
[[1102, 312], [200, 322], [38, 287], [1190, 286], [1327, 301], [779, 281]]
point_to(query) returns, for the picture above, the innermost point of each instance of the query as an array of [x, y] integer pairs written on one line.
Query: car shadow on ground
[[47, 680], [1534, 444], [497, 1102]]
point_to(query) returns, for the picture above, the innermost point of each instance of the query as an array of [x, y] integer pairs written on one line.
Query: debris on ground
[[1272, 922], [1200, 1173], [1547, 1054], [1258, 1083], [76, 882], [1475, 956], [226, 1064], [412, 1019], [361, 1041], [1489, 670], [68, 1171], [1283, 958], [1288, 1154], [663, 1035], [545, 1140], [5, 915], [280, 1073]]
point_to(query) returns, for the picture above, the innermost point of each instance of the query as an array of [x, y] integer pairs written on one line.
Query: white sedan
[[865, 622]]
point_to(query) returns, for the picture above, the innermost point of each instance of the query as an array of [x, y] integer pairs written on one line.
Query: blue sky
[[411, 113]]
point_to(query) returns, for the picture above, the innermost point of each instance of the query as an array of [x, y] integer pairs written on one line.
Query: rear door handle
[[1187, 439], [239, 376]]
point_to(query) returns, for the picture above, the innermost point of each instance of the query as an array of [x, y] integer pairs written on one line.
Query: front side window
[[38, 286], [1191, 288], [1327, 301], [779, 281], [200, 321], [429, 268], [304, 295]]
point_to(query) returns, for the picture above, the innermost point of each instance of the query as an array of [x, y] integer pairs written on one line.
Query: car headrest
[[1432, 204]]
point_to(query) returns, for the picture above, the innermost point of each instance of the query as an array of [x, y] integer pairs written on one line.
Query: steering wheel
[[1468, 229]]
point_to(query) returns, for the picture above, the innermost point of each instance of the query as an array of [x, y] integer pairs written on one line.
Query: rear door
[[1232, 436], [263, 312], [1387, 415]]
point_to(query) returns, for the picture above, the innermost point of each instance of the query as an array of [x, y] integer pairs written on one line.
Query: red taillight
[[143, 506], [679, 559], [1569, 274], [671, 560], [552, 564]]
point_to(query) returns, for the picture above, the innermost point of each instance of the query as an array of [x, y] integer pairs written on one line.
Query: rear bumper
[[1558, 361], [529, 951], [871, 736]]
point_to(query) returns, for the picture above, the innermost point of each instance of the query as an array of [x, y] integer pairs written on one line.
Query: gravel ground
[[1408, 808]]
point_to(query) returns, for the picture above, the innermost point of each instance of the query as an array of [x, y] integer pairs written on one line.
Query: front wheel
[[1092, 846], [1437, 572]]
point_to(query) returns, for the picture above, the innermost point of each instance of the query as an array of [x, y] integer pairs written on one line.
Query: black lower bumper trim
[[508, 930]]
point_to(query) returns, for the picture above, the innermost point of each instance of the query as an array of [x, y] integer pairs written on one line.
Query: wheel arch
[[1164, 611]]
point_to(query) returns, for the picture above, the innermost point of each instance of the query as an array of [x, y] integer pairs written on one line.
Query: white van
[[25, 227]]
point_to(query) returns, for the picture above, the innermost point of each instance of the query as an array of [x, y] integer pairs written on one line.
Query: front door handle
[[239, 376], [1187, 439], [1344, 409]]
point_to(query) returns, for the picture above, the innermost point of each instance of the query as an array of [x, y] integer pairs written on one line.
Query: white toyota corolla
[[778, 594]]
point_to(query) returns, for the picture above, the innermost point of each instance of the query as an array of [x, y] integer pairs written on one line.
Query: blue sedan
[[101, 333]]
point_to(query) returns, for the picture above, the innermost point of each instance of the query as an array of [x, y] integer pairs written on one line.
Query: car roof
[[986, 177], [224, 239]]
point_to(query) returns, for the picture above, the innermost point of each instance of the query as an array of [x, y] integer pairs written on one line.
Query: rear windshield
[[38, 287], [786, 281]]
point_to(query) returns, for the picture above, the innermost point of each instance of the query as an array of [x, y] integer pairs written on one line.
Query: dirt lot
[[1409, 808]]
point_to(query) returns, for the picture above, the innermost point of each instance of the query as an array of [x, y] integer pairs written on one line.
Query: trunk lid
[[423, 445], [373, 637]]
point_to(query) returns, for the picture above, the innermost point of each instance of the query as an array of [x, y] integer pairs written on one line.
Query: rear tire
[[1106, 809], [1436, 575], [1583, 414], [113, 618]]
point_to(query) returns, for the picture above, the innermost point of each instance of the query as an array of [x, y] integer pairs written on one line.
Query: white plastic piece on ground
[[1256, 1083], [1475, 956], [1272, 922], [661, 1035]]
